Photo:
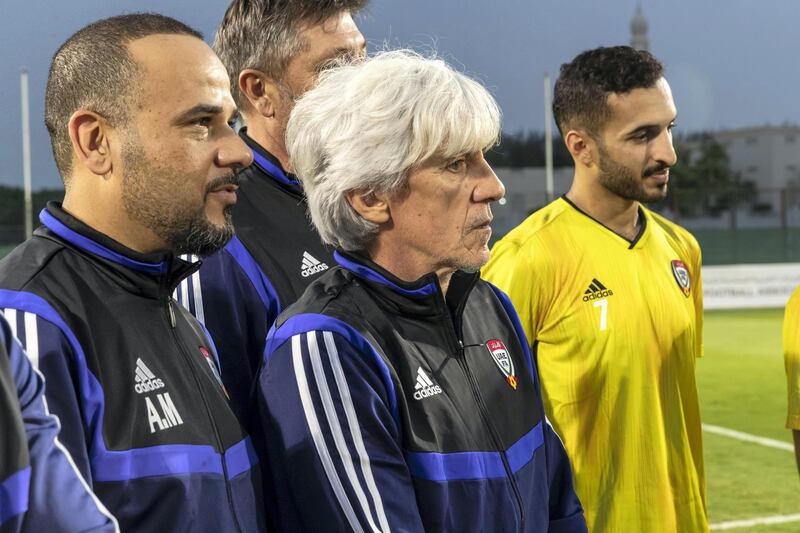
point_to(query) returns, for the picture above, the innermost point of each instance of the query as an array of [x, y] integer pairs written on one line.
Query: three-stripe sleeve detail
[[25, 328], [197, 291], [11, 318], [189, 292], [336, 429], [183, 293], [316, 434], [32, 339], [332, 396], [355, 428]]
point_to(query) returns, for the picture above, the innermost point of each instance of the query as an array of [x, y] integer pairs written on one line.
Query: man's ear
[[261, 91], [582, 146], [372, 206], [89, 133]]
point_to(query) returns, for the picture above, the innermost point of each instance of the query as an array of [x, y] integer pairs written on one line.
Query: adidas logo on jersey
[[596, 291], [311, 265], [146, 381], [425, 387]]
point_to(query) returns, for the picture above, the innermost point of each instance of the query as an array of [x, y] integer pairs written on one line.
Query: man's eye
[[202, 121], [331, 63], [457, 165]]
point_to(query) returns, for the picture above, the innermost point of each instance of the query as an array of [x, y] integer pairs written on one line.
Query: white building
[[769, 156]]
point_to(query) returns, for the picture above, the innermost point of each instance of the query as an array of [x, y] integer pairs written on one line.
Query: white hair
[[367, 123]]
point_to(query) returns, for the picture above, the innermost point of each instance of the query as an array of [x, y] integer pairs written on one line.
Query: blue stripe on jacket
[[109, 465]]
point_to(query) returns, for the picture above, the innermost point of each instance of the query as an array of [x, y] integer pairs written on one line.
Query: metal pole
[[548, 138], [26, 153]]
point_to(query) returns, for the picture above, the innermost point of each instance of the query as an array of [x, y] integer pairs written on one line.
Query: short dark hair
[[583, 85], [94, 70], [263, 34]]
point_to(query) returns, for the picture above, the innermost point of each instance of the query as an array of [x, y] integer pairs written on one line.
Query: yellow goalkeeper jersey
[[791, 357], [615, 326]]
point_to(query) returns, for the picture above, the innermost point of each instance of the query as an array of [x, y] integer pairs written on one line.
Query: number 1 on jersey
[[603, 305]]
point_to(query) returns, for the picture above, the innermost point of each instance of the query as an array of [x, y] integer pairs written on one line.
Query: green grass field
[[742, 387]]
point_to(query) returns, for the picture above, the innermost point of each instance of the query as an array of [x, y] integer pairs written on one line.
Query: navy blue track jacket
[[386, 406], [239, 291], [40, 486], [133, 379]]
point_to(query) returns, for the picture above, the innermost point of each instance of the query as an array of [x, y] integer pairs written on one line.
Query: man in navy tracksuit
[[40, 487], [399, 393], [143, 142], [273, 50]]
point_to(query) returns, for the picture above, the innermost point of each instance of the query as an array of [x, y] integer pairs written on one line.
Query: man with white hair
[[399, 391]]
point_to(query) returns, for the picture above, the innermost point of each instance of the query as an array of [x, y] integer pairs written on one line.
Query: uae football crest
[[681, 274], [503, 361]]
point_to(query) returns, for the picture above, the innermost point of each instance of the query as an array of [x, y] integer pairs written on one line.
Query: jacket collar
[[422, 296], [151, 274], [269, 164], [631, 243]]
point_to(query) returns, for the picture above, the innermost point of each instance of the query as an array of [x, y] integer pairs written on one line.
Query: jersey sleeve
[[60, 499], [235, 302], [517, 271], [791, 357], [335, 457]]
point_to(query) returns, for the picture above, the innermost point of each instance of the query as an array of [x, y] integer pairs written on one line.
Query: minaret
[[639, 30]]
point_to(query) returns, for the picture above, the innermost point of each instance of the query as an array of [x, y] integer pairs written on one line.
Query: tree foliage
[[527, 149], [703, 182], [12, 211]]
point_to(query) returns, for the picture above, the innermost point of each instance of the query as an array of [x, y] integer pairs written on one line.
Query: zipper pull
[[172, 320]]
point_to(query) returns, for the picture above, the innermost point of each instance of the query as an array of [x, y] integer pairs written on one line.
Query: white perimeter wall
[[749, 286]]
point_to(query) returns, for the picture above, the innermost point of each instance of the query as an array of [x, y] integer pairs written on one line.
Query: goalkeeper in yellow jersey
[[610, 297]]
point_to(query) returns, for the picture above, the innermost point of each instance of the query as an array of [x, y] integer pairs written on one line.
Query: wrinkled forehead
[[333, 36], [175, 69], [341, 23]]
